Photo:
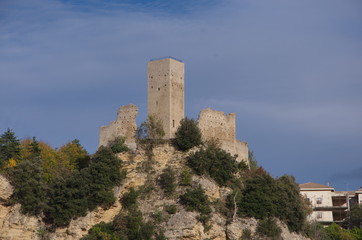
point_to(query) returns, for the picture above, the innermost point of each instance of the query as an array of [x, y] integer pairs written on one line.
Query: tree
[[215, 162], [118, 145], [253, 163], [34, 150], [355, 216], [72, 155], [9, 146], [188, 135], [29, 187], [152, 130]]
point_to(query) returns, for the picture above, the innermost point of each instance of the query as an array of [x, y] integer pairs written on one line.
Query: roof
[[315, 186]]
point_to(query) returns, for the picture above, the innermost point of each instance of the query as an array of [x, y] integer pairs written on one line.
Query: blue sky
[[290, 70]]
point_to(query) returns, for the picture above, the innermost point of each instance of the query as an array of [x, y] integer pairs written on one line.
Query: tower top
[[161, 58]]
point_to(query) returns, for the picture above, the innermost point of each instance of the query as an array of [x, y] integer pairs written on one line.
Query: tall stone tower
[[166, 93]]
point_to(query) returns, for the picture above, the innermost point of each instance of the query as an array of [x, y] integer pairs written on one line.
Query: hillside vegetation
[[183, 190]]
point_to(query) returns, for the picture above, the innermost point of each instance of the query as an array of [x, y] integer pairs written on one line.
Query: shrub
[[215, 162], [268, 227], [188, 135], [167, 181], [129, 199], [246, 234], [171, 209], [185, 177], [118, 145], [196, 200]]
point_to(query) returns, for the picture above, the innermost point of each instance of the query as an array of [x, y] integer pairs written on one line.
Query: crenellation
[[216, 125], [166, 101]]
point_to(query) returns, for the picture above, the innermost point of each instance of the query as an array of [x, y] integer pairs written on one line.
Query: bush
[[171, 209], [188, 135], [185, 177], [167, 181], [268, 227], [196, 200], [215, 162], [118, 145], [129, 199]]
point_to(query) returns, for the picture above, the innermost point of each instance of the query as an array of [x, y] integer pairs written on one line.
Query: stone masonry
[[166, 101], [166, 93], [215, 125], [124, 126]]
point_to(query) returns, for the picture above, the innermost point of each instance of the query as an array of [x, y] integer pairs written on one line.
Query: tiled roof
[[310, 185]]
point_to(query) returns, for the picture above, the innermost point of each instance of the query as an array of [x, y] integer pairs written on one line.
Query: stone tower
[[166, 93]]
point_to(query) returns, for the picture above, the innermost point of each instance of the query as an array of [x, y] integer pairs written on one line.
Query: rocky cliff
[[141, 170]]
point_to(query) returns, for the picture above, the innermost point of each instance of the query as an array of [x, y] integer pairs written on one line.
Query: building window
[[173, 123], [319, 200], [319, 215], [159, 89]]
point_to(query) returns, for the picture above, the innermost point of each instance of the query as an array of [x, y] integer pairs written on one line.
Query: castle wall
[[124, 126], [166, 93], [215, 125]]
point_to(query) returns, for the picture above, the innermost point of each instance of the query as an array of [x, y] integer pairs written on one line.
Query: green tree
[[29, 187], [34, 150], [9, 146], [167, 181], [118, 145], [215, 162], [253, 163], [355, 216], [196, 200], [188, 135], [151, 130], [291, 206]]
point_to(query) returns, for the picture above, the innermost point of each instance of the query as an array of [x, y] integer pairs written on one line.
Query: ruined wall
[[124, 126], [216, 125], [166, 93]]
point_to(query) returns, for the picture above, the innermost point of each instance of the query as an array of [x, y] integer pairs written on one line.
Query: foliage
[[101, 231], [167, 181], [171, 209], [9, 146], [316, 231], [355, 216], [291, 205], [196, 200], [84, 190], [268, 227], [335, 232], [215, 162], [253, 163], [264, 197], [132, 227], [246, 234], [188, 135], [29, 187], [74, 155], [118, 145], [185, 177], [129, 199], [151, 130]]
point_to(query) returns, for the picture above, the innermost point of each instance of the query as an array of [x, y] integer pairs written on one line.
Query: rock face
[[5, 189], [182, 225]]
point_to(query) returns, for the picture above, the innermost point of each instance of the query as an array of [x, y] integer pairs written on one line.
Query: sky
[[290, 70]]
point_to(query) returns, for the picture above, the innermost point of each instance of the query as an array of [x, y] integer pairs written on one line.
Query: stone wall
[[124, 126], [215, 125], [166, 93]]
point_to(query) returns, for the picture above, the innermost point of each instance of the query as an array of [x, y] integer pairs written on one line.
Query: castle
[[166, 101]]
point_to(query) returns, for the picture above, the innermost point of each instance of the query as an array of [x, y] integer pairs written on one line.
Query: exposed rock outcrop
[[180, 225]]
